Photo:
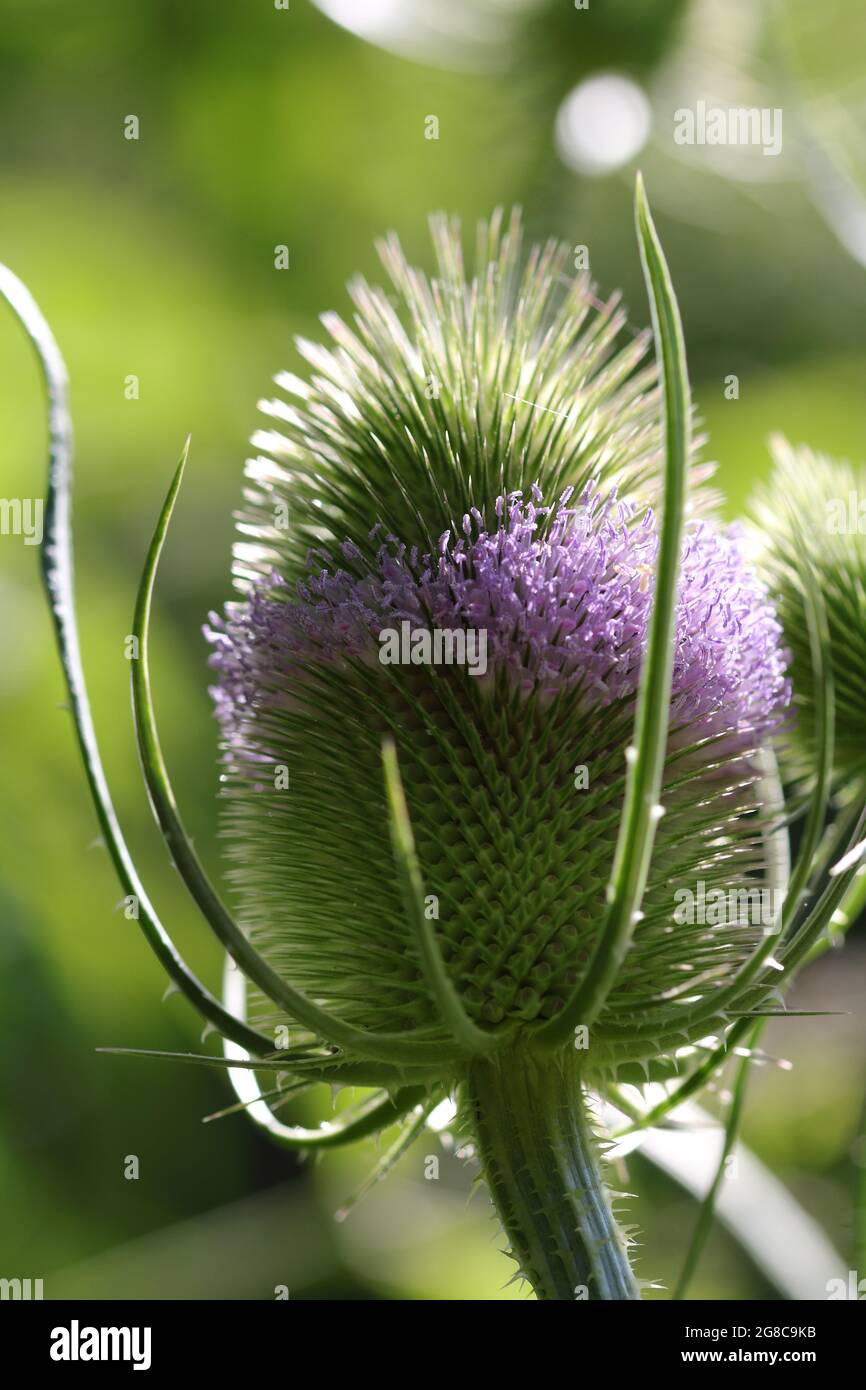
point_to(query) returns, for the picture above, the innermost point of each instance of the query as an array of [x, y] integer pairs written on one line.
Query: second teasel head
[[809, 531]]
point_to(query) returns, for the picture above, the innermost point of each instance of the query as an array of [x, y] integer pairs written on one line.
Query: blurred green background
[[154, 257]]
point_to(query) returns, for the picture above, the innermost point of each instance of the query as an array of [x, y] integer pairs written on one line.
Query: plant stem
[[538, 1157]]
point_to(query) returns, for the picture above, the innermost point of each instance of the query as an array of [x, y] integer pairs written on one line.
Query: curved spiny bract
[[57, 575], [372, 1115], [641, 806], [333, 1029]]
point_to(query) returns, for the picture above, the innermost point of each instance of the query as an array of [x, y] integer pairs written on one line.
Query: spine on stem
[[539, 1158]]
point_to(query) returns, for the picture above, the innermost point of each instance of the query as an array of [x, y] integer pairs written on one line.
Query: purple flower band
[[563, 593]]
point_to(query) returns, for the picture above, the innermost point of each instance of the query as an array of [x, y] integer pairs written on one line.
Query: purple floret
[[564, 594]]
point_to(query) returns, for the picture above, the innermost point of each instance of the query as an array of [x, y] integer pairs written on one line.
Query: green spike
[[643, 784], [379, 1047]]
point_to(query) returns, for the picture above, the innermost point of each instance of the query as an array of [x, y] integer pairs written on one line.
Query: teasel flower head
[[498, 705], [477, 462]]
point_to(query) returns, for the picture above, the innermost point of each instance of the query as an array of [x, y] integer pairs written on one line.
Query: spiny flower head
[[514, 777]]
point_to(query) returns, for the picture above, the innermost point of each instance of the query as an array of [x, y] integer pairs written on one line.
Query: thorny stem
[[539, 1158]]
